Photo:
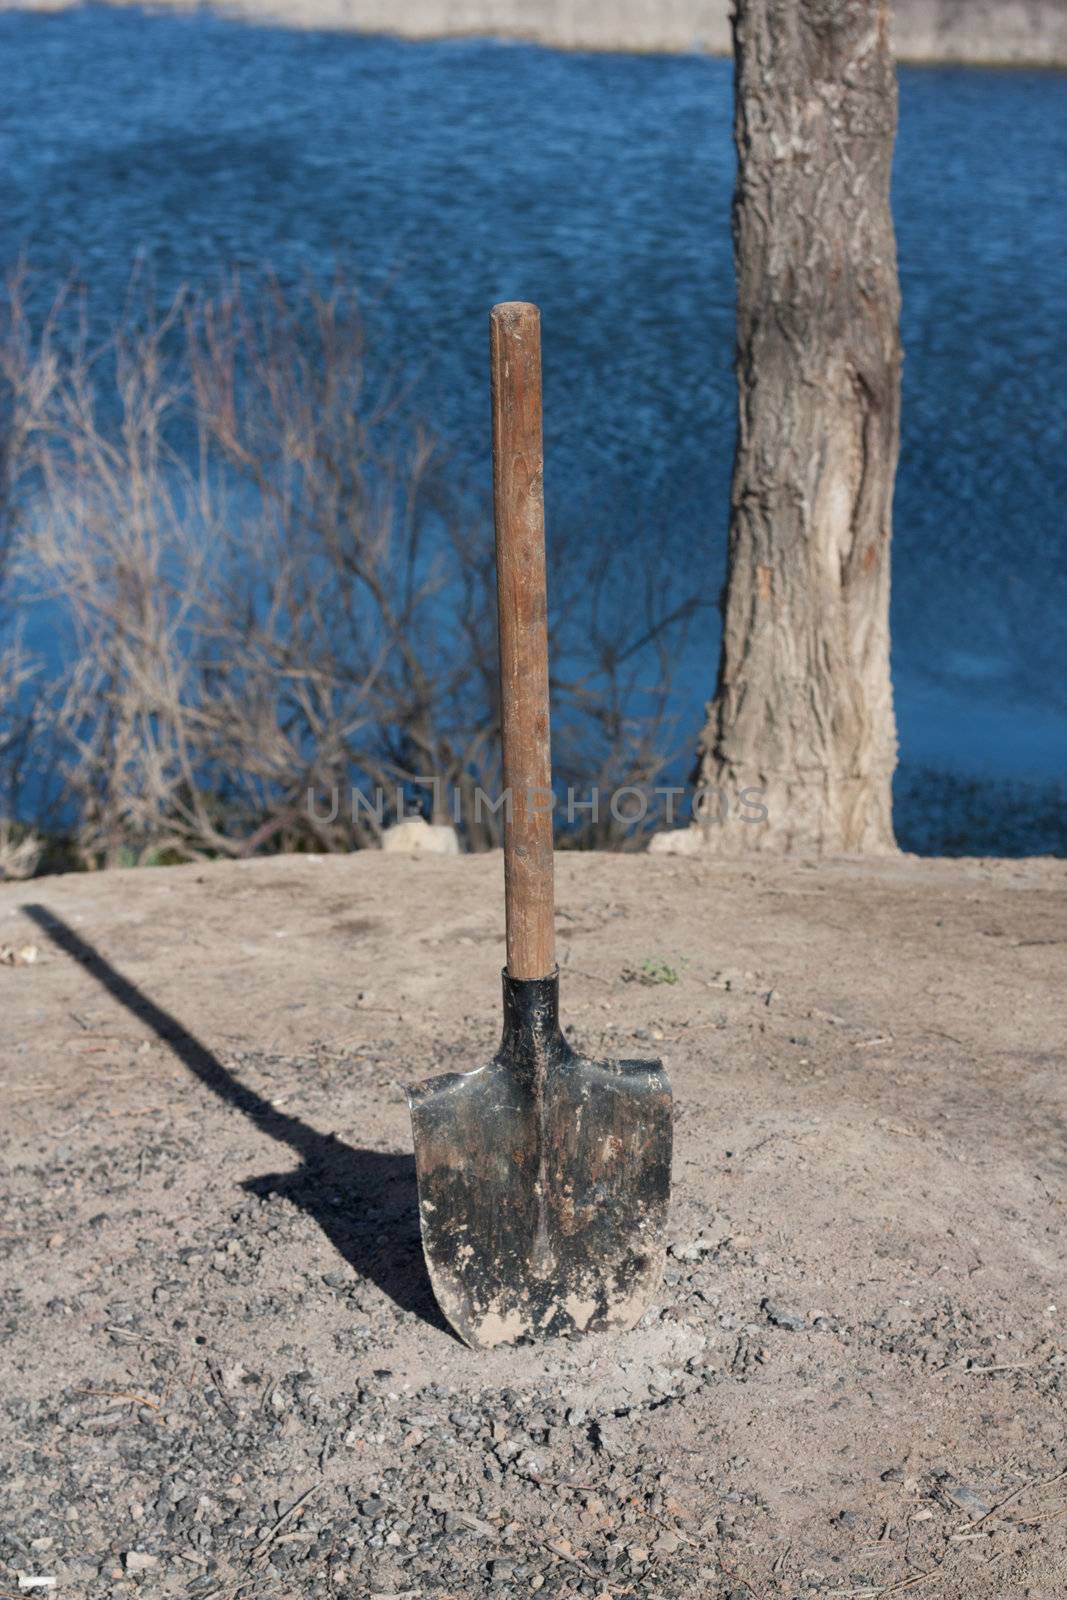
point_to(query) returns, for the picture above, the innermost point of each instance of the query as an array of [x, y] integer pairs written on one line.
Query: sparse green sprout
[[654, 969]]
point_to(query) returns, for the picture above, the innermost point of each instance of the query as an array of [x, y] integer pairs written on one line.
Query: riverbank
[[974, 32], [220, 1360]]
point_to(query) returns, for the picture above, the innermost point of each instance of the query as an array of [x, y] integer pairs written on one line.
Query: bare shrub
[[345, 560], [275, 591], [621, 628], [20, 852], [28, 371], [118, 547]]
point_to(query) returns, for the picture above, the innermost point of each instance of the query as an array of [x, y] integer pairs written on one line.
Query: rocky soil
[[222, 1372]]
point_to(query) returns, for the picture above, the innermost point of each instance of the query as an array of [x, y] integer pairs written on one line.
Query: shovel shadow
[[365, 1201]]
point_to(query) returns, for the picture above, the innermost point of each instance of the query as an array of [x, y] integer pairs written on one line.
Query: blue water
[[446, 176]]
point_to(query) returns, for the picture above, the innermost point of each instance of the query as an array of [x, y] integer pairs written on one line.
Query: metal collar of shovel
[[544, 1176]]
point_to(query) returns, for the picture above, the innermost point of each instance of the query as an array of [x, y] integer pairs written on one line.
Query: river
[[445, 176]]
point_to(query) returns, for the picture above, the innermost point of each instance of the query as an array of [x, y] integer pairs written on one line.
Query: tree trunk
[[803, 709]]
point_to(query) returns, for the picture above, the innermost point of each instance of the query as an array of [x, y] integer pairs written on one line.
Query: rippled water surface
[[455, 174]]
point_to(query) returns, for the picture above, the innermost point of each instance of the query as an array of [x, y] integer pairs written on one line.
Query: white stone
[[417, 837], [677, 842]]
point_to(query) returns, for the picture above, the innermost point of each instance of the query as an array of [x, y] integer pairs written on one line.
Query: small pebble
[[782, 1317], [139, 1561]]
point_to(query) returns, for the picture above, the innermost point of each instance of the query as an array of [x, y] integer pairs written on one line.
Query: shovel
[[544, 1176]]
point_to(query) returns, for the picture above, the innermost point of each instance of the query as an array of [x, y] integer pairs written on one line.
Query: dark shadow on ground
[[365, 1201]]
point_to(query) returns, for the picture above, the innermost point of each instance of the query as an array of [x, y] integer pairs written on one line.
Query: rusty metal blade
[[544, 1182]]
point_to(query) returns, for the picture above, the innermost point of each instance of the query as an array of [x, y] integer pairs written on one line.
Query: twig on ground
[[1000, 1366], [138, 1338], [1017, 1494], [941, 1034], [264, 1544], [216, 1378], [120, 1394]]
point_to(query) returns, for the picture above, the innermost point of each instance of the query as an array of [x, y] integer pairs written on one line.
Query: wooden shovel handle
[[519, 509]]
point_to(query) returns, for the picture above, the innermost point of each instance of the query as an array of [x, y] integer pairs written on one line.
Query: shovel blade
[[544, 1183]]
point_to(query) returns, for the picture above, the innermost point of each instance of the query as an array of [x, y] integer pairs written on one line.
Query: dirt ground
[[221, 1368]]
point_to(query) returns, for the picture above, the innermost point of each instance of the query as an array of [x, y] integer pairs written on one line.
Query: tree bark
[[803, 710]]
